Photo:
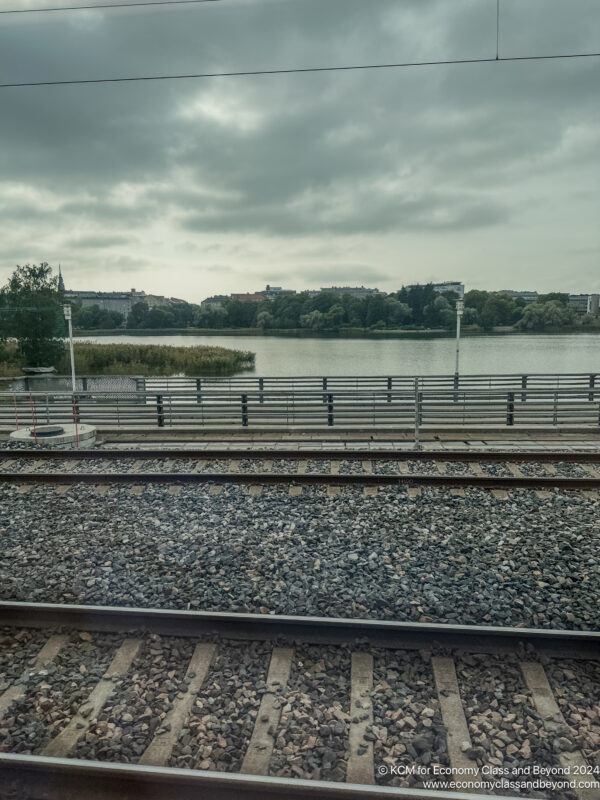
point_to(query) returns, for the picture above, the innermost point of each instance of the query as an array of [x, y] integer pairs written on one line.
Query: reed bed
[[92, 358]]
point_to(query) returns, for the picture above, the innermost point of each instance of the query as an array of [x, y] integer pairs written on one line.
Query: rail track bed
[[122, 702], [495, 470], [523, 558]]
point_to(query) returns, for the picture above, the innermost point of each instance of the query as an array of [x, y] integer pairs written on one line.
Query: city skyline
[[383, 177]]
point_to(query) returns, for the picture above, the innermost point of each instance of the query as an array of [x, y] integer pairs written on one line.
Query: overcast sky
[[488, 173]]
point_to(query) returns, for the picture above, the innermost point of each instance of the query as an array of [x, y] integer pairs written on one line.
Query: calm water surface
[[479, 355]]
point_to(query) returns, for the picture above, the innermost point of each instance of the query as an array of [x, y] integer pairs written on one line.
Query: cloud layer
[[486, 173]]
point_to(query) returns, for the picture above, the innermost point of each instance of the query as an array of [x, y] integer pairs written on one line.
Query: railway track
[[125, 703], [493, 470]]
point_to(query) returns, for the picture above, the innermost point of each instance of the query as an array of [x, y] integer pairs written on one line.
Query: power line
[[497, 30], [295, 71], [141, 4]]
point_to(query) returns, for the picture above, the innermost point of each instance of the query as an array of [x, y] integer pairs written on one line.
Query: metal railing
[[517, 382], [398, 402]]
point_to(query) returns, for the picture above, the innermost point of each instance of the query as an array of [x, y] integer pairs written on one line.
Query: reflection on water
[[479, 355]]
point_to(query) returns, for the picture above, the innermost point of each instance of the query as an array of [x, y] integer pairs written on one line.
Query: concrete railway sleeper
[[124, 703]]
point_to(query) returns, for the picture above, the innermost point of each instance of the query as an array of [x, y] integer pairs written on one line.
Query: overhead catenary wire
[[293, 71], [497, 30], [95, 6]]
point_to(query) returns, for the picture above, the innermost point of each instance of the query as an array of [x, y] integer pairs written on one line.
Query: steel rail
[[46, 778], [336, 454], [73, 779], [312, 479], [321, 630]]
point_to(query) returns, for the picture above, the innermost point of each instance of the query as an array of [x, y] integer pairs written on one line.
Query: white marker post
[[460, 307], [67, 313]]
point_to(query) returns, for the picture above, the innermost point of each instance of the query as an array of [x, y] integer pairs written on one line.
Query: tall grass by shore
[[141, 359]]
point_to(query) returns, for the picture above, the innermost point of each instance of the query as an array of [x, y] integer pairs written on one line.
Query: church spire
[[61, 283]]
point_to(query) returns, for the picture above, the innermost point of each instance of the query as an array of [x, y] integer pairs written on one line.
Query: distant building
[[107, 301], [585, 303], [249, 297], [271, 292], [450, 286], [528, 297], [353, 291], [216, 301], [122, 302]]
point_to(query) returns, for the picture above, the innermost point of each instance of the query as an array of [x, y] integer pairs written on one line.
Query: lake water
[[284, 355]]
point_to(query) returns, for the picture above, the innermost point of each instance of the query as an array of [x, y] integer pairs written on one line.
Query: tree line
[[410, 308]]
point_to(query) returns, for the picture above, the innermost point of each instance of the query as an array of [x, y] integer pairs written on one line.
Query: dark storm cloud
[[418, 152]]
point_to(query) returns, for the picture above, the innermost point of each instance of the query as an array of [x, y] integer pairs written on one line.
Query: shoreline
[[350, 333]]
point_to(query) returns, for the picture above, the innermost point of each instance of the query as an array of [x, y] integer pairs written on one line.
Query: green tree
[[96, 318], [439, 313], [544, 316], [315, 320], [335, 316], [264, 320], [33, 314]]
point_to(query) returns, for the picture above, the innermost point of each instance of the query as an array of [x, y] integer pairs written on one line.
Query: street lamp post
[[67, 313], [460, 307]]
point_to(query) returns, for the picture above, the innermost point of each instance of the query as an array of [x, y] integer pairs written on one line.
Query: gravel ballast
[[507, 732], [312, 737], [218, 730], [477, 559], [407, 726], [56, 691], [576, 686]]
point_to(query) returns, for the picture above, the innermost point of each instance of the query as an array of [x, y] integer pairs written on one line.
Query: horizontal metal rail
[[44, 778], [318, 630], [313, 478], [518, 381], [338, 454]]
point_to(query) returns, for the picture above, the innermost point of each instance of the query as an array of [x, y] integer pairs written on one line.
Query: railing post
[[198, 391], [555, 411], [456, 387], [261, 386], [84, 384], [324, 389], [329, 409], [418, 400], [592, 387], [140, 388], [160, 412], [523, 386], [389, 386], [245, 410], [76, 419], [510, 408]]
